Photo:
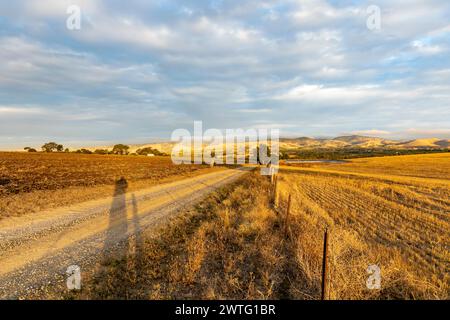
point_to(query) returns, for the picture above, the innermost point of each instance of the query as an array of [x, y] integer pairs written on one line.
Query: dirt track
[[35, 250]]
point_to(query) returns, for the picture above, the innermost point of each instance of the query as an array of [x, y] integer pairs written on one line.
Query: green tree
[[101, 151], [149, 150], [120, 149], [59, 148], [50, 147]]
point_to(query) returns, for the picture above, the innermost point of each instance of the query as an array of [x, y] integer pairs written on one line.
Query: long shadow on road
[[117, 217], [122, 248]]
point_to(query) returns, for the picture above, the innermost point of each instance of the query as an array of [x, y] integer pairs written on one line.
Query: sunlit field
[[391, 211], [435, 166], [239, 244], [30, 182]]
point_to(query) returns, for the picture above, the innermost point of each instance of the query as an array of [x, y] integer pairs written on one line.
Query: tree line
[[118, 149]]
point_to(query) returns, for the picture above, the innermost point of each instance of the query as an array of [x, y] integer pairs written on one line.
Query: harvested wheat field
[[238, 244], [31, 182], [390, 211]]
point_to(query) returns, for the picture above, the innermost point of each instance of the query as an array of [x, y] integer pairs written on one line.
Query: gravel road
[[37, 249]]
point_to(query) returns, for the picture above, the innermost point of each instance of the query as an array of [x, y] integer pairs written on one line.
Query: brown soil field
[[31, 182]]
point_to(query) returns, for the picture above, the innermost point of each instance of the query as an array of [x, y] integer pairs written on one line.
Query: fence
[[325, 281]]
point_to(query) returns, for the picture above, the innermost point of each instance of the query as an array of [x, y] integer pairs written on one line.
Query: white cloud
[[321, 93], [427, 49], [319, 13], [263, 110], [58, 8], [127, 31], [429, 132], [372, 132], [310, 64], [6, 111]]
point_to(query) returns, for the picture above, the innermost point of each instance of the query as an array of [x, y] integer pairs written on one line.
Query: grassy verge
[[228, 246], [233, 246]]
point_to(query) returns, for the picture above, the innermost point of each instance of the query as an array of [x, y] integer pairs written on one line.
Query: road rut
[[37, 249]]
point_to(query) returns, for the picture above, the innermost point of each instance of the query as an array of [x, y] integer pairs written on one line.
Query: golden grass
[[400, 224], [420, 165], [226, 247], [232, 245]]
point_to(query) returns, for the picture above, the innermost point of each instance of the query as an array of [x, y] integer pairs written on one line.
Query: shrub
[[120, 149]]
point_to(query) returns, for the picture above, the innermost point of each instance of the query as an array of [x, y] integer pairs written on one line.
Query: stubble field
[[391, 212]]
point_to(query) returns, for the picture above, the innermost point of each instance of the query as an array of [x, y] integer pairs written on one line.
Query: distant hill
[[342, 142], [429, 143], [355, 141]]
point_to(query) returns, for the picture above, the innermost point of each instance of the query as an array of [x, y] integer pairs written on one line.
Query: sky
[[136, 70]]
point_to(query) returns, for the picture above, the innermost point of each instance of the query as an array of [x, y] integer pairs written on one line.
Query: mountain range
[[342, 142], [356, 141]]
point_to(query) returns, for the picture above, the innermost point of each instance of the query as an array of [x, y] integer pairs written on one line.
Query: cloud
[[6, 111], [143, 68], [255, 110], [429, 132], [427, 49], [56, 8], [372, 132]]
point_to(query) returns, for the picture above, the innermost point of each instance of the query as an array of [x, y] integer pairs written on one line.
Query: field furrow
[[405, 212]]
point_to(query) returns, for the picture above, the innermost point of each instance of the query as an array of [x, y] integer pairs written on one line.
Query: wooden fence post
[[275, 193], [325, 266], [286, 223]]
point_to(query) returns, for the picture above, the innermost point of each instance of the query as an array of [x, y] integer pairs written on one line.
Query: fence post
[[286, 223], [275, 193], [325, 266]]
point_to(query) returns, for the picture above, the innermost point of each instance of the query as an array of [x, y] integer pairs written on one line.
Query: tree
[[120, 149], [149, 150], [101, 151], [50, 147], [30, 149], [59, 148], [84, 151], [66, 150]]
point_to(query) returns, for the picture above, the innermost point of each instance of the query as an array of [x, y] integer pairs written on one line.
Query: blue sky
[[137, 70]]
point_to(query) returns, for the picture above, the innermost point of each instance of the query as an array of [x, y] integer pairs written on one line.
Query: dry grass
[[402, 225], [227, 247], [30, 182], [233, 245], [436, 166]]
